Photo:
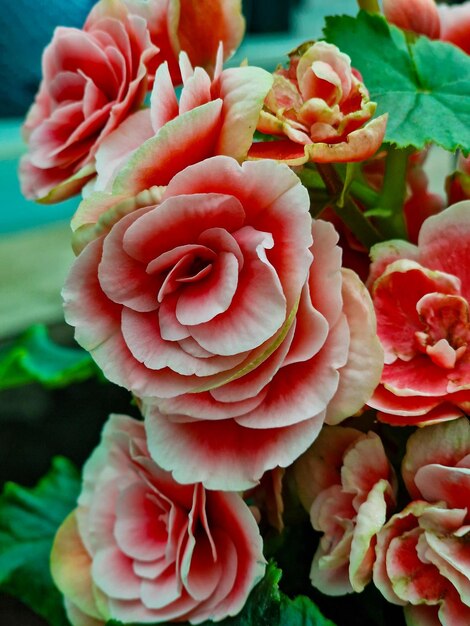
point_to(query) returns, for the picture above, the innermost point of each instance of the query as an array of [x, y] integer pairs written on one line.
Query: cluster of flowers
[[203, 285]]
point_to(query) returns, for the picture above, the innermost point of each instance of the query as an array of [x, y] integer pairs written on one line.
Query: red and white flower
[[319, 107], [142, 548], [92, 80], [347, 483], [423, 552], [421, 296], [208, 307]]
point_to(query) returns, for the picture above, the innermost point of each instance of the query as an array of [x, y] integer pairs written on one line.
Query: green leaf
[[424, 85], [33, 357], [301, 612], [29, 519]]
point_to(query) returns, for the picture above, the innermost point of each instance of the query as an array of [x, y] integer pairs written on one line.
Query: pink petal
[[202, 301], [248, 322], [371, 517], [70, 568], [85, 302], [360, 145], [142, 335], [320, 467], [187, 139], [325, 277], [123, 278], [387, 252], [180, 221], [396, 294], [302, 390], [242, 90], [365, 352], [119, 145], [443, 444], [224, 455], [196, 91], [139, 531], [444, 243], [163, 101], [419, 16], [113, 573]]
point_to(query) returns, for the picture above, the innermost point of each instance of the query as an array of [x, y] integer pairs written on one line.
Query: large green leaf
[[29, 519], [34, 357], [423, 85]]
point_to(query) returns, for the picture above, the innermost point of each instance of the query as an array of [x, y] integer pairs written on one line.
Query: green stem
[[369, 5], [392, 195], [349, 213], [364, 194]]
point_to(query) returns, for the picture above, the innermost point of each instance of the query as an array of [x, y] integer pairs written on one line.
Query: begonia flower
[[421, 296], [423, 552], [140, 547], [92, 80], [347, 483], [320, 110], [226, 312], [419, 16]]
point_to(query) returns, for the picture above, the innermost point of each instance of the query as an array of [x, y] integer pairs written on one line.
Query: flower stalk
[[369, 5], [349, 212]]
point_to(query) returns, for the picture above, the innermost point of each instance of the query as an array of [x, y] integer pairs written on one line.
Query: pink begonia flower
[[349, 486], [421, 296], [142, 548], [209, 308], [423, 552], [419, 16], [319, 106], [92, 80], [195, 26], [213, 116], [455, 25]]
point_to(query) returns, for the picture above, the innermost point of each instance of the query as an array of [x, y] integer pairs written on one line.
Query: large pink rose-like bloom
[[421, 296], [208, 307], [142, 548], [92, 80], [319, 107], [347, 483], [423, 552]]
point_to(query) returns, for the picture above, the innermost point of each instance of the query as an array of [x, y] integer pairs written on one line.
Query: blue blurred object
[[26, 27], [17, 213]]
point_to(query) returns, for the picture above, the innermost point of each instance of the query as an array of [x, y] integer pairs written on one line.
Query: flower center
[[446, 333]]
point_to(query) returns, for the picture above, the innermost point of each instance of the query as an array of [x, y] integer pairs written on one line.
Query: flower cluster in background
[[261, 263]]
